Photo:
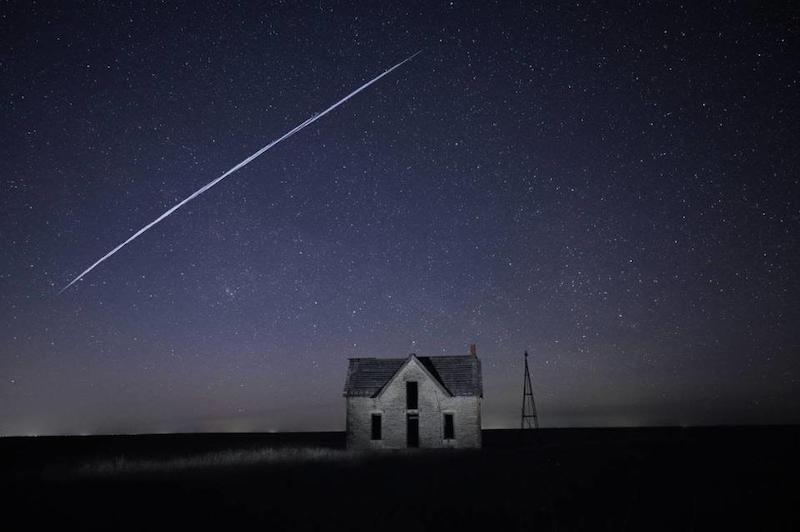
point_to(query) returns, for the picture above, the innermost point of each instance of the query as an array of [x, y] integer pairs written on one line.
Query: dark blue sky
[[615, 191]]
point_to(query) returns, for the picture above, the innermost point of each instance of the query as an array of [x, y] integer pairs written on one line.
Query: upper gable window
[[412, 396]]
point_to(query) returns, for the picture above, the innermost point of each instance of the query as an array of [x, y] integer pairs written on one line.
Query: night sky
[[615, 191]]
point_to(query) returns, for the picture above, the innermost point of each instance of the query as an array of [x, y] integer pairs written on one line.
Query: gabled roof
[[459, 375], [413, 358]]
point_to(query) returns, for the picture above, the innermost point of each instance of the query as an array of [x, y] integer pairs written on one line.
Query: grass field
[[555, 479]]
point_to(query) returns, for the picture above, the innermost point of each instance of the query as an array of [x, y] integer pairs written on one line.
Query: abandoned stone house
[[416, 401]]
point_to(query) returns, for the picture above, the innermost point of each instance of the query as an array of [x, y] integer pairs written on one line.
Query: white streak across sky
[[232, 170]]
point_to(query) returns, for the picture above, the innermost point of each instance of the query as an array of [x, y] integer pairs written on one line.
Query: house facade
[[416, 401]]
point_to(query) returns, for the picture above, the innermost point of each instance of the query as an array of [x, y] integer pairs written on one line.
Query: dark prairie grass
[[211, 461], [587, 479]]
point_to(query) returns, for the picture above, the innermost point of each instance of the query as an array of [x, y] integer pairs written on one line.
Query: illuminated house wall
[[382, 412]]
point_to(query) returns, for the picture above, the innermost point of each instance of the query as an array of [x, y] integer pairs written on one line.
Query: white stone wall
[[433, 404]]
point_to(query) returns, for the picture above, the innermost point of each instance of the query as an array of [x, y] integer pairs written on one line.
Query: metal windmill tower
[[528, 405]]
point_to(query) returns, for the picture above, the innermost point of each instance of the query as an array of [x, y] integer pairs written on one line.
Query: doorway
[[412, 430]]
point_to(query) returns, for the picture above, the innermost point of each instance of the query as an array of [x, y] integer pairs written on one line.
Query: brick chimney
[[473, 351]]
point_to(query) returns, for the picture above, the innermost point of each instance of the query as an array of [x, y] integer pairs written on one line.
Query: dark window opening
[[449, 427], [411, 395], [376, 426]]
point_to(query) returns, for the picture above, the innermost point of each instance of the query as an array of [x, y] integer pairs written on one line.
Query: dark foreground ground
[[745, 478]]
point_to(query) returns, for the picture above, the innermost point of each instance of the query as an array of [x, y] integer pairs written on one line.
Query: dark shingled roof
[[459, 375]]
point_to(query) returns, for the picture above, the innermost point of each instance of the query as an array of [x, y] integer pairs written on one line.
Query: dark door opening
[[412, 430]]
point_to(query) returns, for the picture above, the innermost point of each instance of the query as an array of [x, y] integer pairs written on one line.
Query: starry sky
[[614, 190]]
